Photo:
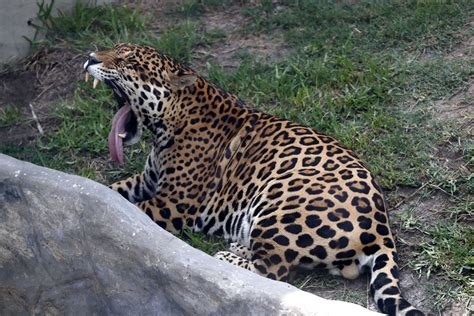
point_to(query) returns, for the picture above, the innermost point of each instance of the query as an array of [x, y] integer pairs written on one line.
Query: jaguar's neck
[[200, 115]]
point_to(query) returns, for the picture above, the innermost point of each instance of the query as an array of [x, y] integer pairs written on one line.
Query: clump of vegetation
[[10, 115]]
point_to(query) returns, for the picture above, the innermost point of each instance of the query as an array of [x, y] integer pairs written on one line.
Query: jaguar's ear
[[181, 81]]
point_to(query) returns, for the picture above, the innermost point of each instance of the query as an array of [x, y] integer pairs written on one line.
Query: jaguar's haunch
[[284, 194]]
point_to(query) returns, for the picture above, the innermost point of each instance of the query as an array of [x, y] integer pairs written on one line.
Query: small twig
[[38, 125], [43, 91], [408, 198], [367, 291], [231, 50], [306, 281], [444, 191]]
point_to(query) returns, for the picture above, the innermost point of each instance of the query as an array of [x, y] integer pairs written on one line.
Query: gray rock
[[71, 246], [16, 19]]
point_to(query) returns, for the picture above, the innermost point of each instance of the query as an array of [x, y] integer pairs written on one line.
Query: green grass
[[448, 249], [10, 115], [178, 41], [444, 294], [444, 246], [367, 73], [208, 244], [195, 8], [89, 28], [335, 287], [92, 110], [376, 25]]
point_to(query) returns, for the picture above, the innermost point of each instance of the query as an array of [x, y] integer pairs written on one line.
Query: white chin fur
[[94, 70]]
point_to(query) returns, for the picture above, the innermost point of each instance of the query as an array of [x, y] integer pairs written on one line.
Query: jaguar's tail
[[384, 285]]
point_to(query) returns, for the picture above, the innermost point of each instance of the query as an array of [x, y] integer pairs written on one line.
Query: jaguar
[[284, 196]]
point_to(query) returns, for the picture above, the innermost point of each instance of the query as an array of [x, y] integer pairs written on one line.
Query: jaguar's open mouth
[[125, 123]]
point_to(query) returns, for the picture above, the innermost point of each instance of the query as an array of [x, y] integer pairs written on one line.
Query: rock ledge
[[71, 246]]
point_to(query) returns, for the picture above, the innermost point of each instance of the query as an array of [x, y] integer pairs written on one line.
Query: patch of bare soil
[[337, 288], [227, 52], [46, 76], [230, 20], [358, 291], [424, 210], [157, 11], [56, 71], [460, 106], [14, 89], [452, 159], [465, 49], [17, 89]]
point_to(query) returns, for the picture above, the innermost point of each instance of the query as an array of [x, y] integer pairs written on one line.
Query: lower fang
[[87, 76], [96, 82], [122, 135]]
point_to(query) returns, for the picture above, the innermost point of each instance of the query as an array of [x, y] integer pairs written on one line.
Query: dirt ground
[[37, 83], [42, 80], [267, 48]]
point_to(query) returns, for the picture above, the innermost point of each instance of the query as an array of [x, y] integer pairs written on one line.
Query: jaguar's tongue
[[118, 127]]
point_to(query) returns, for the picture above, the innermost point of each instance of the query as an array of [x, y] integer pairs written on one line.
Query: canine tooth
[[87, 76], [122, 135], [96, 82]]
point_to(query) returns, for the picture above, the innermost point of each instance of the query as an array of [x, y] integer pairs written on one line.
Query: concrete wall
[[14, 17]]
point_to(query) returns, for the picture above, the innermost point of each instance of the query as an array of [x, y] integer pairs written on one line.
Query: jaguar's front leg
[[140, 187], [158, 208], [134, 188], [165, 213]]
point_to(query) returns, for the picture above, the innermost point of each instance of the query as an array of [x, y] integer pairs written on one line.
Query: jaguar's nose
[[92, 60]]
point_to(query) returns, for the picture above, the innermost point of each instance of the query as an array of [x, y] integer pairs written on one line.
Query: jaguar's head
[[145, 83]]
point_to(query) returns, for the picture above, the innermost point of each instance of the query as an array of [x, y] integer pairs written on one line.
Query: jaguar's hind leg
[[269, 268], [240, 250], [235, 260]]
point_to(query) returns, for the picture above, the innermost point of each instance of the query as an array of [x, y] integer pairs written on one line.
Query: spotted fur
[[284, 194]]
